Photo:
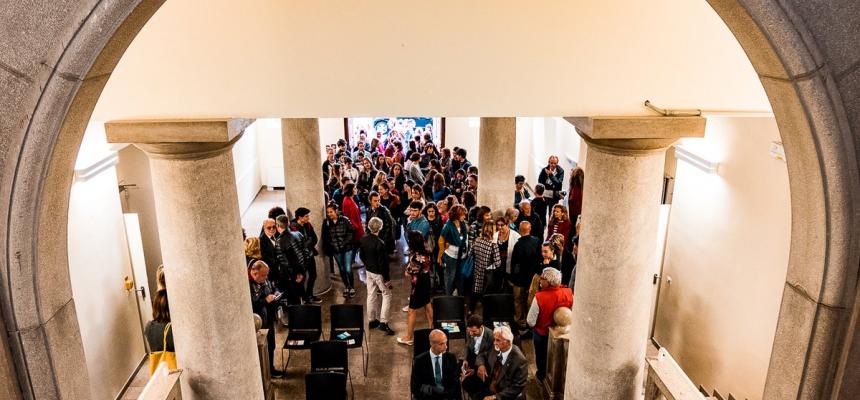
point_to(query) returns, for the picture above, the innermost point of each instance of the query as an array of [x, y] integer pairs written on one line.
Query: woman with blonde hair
[[566, 259], [252, 249]]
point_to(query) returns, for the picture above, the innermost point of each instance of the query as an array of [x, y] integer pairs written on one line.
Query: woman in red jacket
[[351, 211], [559, 223]]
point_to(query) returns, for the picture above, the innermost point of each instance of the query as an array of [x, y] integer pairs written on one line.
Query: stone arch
[[56, 60]]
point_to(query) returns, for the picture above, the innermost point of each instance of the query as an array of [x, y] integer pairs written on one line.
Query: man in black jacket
[[552, 178], [294, 258], [375, 258], [527, 214], [435, 373], [302, 224], [268, 242], [524, 261], [379, 211]]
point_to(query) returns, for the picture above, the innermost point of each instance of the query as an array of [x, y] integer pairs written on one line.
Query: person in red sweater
[[551, 296], [352, 212], [559, 223]]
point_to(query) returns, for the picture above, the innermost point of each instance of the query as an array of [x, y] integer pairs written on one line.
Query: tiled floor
[[389, 363]]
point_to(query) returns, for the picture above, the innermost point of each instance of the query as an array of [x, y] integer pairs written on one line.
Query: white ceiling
[[277, 58]]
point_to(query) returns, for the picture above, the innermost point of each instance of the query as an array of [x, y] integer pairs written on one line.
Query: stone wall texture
[[56, 56]]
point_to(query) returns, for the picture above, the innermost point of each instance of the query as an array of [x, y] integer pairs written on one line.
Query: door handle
[[142, 291], [656, 279]]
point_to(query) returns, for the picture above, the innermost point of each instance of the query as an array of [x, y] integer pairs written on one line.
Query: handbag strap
[[164, 341]]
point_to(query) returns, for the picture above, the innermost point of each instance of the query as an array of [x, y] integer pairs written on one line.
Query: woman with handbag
[[159, 335], [418, 269], [456, 236]]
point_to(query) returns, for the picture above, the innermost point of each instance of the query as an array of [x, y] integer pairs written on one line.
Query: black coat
[[270, 257], [525, 259], [423, 378]]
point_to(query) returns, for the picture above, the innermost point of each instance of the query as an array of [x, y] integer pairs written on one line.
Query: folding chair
[[347, 325], [325, 386], [449, 315], [331, 356], [498, 309], [305, 329]]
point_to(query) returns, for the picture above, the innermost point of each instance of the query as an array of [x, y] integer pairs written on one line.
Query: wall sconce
[[696, 160]]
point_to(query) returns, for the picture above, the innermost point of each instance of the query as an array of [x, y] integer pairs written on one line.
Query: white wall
[[98, 263], [246, 166], [727, 254], [331, 130], [465, 133]]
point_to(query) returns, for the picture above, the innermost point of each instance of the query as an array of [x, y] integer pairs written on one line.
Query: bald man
[[436, 372]]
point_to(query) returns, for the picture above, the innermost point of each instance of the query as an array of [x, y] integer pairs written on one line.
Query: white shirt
[[478, 340], [433, 358], [505, 355]]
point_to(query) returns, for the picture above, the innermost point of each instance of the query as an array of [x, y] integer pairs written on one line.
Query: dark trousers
[[540, 343], [311, 278]]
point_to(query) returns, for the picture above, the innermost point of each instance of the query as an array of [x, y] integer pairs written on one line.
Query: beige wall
[[726, 254], [98, 263], [265, 58]]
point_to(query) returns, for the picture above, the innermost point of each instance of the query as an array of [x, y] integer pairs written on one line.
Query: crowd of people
[[379, 192]]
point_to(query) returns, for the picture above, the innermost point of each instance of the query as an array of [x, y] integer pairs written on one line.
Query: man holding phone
[[375, 257]]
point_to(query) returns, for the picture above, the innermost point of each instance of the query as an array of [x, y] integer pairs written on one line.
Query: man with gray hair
[[551, 296], [373, 253], [505, 370]]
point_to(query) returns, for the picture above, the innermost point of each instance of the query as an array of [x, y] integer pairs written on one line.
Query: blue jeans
[[344, 263], [453, 277]]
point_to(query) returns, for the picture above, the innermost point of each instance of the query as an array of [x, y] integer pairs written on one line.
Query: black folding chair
[[498, 310], [305, 329], [331, 356], [347, 325], [325, 386], [449, 315]]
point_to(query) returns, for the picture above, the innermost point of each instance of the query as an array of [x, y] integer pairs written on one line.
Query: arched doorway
[[47, 107]]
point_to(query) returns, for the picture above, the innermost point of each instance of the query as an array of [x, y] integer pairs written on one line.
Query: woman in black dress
[[418, 269]]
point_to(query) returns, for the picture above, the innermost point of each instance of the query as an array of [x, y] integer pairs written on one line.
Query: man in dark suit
[[505, 370], [479, 343], [268, 237], [436, 373]]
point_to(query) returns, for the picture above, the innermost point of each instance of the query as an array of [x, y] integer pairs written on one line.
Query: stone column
[[201, 242], [498, 158], [616, 248], [303, 181]]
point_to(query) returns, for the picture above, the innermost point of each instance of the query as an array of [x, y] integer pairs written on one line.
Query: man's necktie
[[437, 366], [497, 374]]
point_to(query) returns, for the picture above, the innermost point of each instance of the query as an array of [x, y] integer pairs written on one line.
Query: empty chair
[[421, 341], [449, 315], [498, 310], [325, 386], [347, 325], [331, 356], [305, 329]]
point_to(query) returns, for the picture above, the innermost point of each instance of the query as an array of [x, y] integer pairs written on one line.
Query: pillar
[[498, 152], [303, 181], [616, 249], [201, 242]]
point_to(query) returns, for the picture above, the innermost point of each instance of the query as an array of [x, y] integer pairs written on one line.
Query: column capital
[[180, 138], [625, 134]]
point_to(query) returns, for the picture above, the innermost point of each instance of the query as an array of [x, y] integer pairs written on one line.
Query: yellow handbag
[[157, 357]]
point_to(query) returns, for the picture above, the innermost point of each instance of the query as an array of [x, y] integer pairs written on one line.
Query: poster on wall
[[382, 129]]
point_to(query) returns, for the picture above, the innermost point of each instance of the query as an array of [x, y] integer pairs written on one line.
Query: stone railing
[[667, 380], [163, 385]]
